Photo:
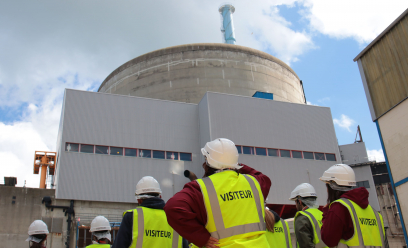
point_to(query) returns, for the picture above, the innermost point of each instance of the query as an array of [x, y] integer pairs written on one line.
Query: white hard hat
[[148, 185], [100, 223], [221, 154], [341, 174], [303, 190], [38, 227]]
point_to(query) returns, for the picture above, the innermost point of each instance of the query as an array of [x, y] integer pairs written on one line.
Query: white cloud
[[324, 99], [310, 103], [36, 131], [361, 20], [344, 122], [376, 155]]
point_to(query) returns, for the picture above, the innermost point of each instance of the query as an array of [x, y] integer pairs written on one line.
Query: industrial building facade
[[383, 66], [108, 142]]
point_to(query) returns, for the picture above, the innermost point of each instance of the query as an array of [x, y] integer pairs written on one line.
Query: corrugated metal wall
[[123, 121], [264, 123], [115, 120], [385, 67]]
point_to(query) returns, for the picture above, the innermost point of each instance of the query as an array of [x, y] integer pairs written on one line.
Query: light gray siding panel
[[95, 177], [116, 120], [113, 120], [353, 153], [204, 122], [273, 124], [287, 173]]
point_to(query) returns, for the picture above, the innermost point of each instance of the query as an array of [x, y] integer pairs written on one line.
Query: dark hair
[[333, 195], [151, 194], [38, 236], [210, 171]]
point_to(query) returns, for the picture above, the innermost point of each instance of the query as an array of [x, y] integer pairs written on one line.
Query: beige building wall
[[394, 130]]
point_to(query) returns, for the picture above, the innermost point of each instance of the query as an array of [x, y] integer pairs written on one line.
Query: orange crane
[[44, 160]]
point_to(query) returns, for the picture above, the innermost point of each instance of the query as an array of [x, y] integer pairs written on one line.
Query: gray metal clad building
[[98, 130]]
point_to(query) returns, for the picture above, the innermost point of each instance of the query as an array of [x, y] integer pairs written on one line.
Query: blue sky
[[47, 46]]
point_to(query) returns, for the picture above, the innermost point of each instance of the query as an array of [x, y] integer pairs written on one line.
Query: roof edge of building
[[391, 26], [196, 47]]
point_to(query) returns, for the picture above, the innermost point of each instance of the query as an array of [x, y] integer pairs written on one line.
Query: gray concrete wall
[[15, 218], [185, 73]]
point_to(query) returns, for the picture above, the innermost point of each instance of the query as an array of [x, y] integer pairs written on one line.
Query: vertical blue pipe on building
[[392, 183]]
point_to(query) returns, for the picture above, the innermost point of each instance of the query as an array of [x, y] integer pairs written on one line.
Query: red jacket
[[186, 211], [337, 222]]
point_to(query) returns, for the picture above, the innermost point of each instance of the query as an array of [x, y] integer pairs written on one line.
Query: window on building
[[130, 152], [364, 184], [248, 150], [239, 148], [330, 157], [260, 151], [172, 155], [319, 156], [296, 154], [273, 152], [285, 153], [87, 148], [70, 147], [101, 149], [185, 156], [118, 151], [308, 155], [145, 153], [159, 154]]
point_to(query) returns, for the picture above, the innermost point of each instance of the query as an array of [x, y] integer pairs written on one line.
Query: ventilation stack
[[227, 25]]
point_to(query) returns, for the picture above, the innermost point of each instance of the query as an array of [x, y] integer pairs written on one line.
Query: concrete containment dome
[[185, 73]]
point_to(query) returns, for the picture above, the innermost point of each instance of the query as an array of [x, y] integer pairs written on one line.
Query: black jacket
[[124, 237]]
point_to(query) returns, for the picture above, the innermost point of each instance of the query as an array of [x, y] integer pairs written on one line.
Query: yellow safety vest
[[99, 246], [235, 209], [280, 238], [315, 217], [369, 228], [150, 229]]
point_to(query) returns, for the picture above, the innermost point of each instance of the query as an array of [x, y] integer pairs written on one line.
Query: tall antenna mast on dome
[[227, 25]]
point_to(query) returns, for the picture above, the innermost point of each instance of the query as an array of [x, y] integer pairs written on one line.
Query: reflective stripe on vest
[[280, 238], [222, 232], [315, 218], [99, 246], [162, 229], [352, 242]]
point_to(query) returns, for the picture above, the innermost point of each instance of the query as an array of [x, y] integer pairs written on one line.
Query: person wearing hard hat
[[37, 232], [278, 233], [101, 236], [348, 218], [146, 226], [308, 219], [226, 207]]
